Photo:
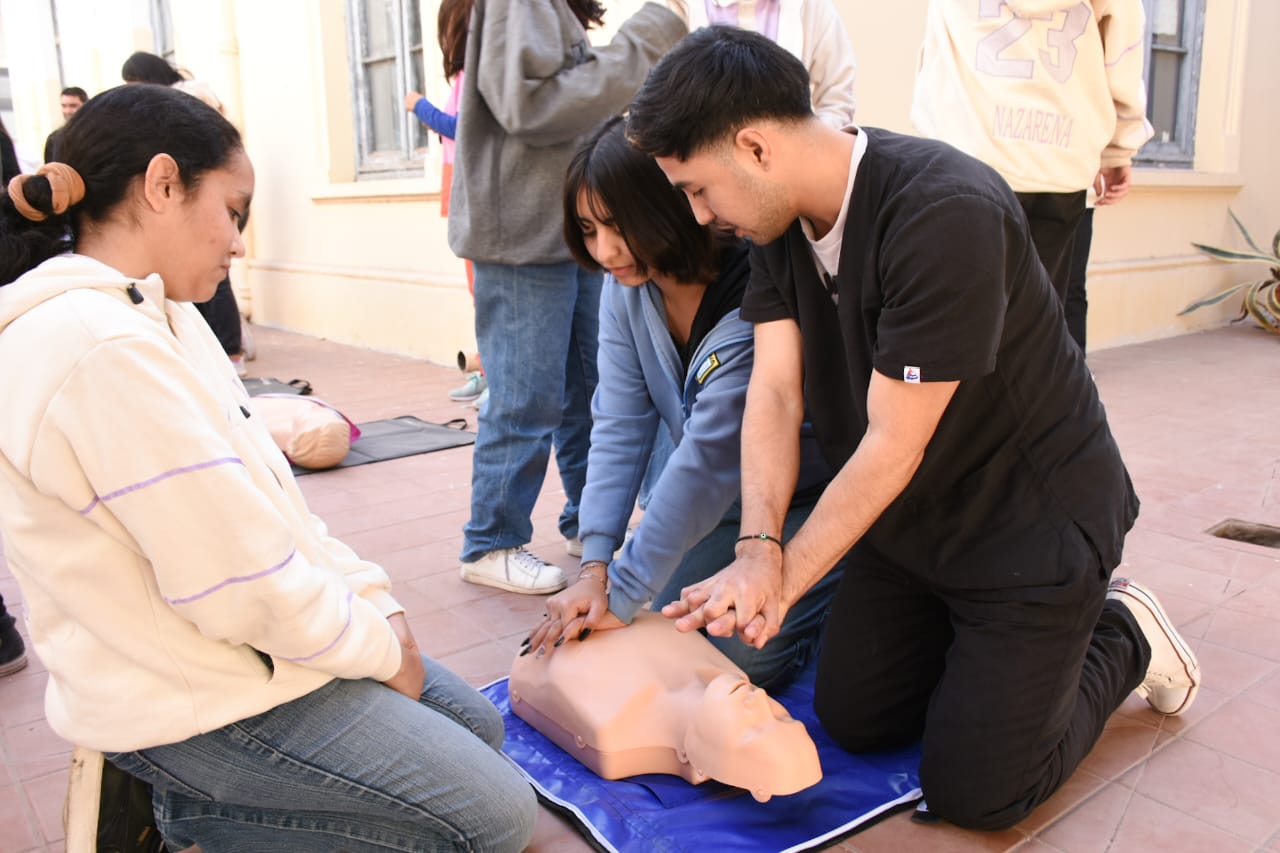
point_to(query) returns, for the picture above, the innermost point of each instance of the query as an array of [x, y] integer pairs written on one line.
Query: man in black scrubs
[[980, 495]]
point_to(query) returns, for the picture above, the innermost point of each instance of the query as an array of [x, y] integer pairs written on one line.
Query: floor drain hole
[[1247, 531]]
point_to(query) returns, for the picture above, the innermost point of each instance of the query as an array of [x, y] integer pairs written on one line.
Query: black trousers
[[222, 313], [1077, 305], [1053, 218], [1009, 686]]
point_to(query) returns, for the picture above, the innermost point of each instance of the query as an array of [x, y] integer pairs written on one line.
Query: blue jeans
[[536, 327], [795, 645], [352, 766]]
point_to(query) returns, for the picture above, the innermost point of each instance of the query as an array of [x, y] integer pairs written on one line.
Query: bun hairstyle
[[108, 143]]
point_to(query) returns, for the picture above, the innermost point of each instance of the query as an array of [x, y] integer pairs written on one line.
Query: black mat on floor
[[256, 386], [401, 436]]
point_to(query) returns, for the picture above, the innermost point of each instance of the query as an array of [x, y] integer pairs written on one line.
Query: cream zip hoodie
[[173, 578], [1046, 92]]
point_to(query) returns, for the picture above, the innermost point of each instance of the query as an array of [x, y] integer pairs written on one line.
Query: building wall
[[367, 262]]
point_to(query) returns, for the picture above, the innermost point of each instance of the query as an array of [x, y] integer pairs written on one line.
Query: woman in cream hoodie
[[199, 626]]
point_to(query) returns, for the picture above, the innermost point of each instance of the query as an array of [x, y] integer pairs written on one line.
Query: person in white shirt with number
[[810, 30], [1049, 93]]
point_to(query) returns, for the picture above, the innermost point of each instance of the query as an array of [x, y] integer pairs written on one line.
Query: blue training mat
[[665, 813]]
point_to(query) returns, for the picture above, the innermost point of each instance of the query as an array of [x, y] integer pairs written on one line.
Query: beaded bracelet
[[763, 537]]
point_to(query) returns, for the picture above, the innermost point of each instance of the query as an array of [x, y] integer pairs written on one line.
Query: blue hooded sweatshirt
[[644, 383]]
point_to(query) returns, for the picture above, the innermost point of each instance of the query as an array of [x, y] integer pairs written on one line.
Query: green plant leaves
[[1216, 298], [1234, 256], [1260, 298]]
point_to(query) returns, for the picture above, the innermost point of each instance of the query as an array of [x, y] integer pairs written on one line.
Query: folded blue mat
[[665, 813]]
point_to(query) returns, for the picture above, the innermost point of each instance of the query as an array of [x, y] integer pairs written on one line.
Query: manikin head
[[712, 113], [650, 699]]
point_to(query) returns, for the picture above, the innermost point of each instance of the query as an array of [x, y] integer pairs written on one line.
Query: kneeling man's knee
[[959, 798]]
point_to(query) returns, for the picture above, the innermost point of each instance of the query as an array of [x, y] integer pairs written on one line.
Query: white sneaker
[[247, 344], [475, 385], [479, 402], [515, 570], [1173, 675]]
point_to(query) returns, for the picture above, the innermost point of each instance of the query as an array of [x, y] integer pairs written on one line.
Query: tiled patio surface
[[1196, 418]]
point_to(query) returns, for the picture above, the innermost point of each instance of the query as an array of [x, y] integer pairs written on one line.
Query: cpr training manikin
[[649, 699]]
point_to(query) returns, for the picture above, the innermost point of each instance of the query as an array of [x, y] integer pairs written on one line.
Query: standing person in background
[[1050, 94], [9, 167], [13, 652], [222, 312], [535, 86], [71, 99], [451, 33], [810, 30]]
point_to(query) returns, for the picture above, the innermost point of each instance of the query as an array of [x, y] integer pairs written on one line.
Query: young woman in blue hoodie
[[673, 355]]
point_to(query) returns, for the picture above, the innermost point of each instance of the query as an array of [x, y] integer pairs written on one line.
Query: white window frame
[[162, 30], [1176, 149], [406, 160]]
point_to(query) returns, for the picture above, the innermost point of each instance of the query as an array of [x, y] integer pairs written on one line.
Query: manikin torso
[[649, 699]]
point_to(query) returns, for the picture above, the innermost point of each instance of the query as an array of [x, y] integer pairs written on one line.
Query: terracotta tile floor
[[1196, 418]]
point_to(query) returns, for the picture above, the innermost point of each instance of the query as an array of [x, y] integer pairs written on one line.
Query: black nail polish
[[526, 640], [524, 652], [558, 643], [586, 632]]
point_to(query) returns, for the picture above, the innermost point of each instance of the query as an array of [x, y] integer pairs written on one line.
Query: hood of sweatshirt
[[71, 272], [1034, 8]]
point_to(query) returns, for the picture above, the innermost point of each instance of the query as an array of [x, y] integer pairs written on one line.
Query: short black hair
[[652, 216], [76, 92], [711, 84]]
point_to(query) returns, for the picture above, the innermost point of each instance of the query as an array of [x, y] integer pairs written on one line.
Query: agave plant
[[1260, 297]]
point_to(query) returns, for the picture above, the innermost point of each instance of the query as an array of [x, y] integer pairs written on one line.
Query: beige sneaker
[[1173, 675], [515, 570]]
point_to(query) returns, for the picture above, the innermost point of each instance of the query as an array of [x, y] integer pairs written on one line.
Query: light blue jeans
[[353, 766], [536, 328], [795, 645]]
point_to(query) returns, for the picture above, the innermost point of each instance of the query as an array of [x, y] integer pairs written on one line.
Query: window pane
[[1162, 99], [414, 23], [384, 105], [1166, 22], [379, 29], [419, 133]]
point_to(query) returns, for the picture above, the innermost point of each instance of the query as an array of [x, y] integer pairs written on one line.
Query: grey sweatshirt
[[534, 87]]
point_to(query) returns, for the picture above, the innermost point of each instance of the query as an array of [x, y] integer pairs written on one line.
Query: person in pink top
[[451, 32]]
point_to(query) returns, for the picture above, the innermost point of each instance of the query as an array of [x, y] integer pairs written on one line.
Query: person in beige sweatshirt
[[1049, 93]]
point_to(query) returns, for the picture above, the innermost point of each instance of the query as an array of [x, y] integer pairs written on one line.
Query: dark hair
[[143, 67], [653, 217], [110, 142], [711, 84], [589, 13], [76, 92], [451, 32]]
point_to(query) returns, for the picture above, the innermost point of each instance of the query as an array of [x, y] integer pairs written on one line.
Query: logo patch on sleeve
[[911, 374], [708, 367]]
